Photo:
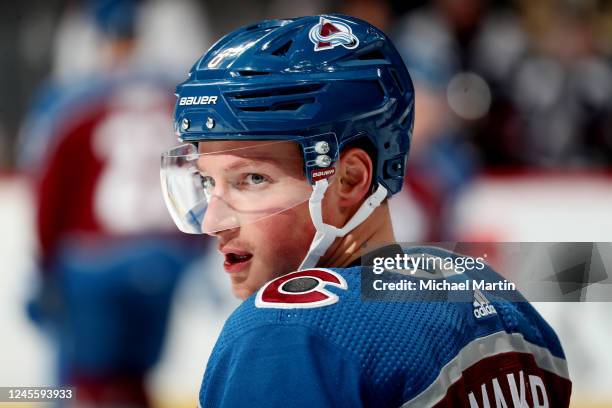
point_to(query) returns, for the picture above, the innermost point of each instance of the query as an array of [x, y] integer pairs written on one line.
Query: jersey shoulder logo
[[301, 289], [329, 33], [482, 307]]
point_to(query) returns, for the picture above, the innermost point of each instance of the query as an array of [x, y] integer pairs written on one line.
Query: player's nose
[[219, 217]]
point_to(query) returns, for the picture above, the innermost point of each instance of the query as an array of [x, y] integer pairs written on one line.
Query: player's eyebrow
[[244, 162]]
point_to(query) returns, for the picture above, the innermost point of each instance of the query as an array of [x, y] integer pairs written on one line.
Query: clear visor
[[222, 185]]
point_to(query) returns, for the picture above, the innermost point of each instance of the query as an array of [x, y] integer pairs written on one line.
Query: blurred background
[[512, 142]]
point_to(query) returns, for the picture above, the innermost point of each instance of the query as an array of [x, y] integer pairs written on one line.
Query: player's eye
[[254, 178], [208, 183]]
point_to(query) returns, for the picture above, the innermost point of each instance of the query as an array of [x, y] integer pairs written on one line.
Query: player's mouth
[[235, 262]]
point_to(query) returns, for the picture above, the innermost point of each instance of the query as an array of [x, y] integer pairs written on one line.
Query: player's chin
[[241, 293], [249, 280], [238, 281]]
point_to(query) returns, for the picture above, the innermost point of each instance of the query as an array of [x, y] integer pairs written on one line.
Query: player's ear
[[354, 177]]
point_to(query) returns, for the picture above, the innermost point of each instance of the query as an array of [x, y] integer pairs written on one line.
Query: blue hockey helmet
[[322, 82], [313, 75]]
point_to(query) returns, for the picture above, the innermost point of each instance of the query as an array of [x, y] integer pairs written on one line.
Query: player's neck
[[376, 229]]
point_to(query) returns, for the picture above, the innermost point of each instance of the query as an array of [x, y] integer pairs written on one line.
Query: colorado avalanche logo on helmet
[[329, 33]]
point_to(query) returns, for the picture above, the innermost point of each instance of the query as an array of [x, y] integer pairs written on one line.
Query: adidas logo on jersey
[[482, 307]]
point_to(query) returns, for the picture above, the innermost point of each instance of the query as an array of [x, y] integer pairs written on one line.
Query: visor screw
[[210, 123], [185, 124], [323, 160], [322, 147]]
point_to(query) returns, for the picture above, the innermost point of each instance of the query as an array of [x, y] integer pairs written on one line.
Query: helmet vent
[[406, 115], [294, 90], [397, 81], [281, 106], [248, 73], [372, 55], [282, 50], [253, 27]]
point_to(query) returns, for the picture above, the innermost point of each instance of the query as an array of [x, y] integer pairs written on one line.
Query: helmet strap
[[325, 233]]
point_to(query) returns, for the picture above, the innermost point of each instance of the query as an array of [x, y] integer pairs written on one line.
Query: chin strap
[[326, 234]]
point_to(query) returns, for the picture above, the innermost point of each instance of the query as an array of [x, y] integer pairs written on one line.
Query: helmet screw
[[210, 123], [185, 124], [322, 147], [323, 160]]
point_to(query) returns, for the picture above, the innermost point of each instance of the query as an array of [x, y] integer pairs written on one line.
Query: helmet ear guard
[[320, 154]]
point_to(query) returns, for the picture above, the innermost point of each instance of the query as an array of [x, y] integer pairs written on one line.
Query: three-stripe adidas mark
[[482, 307]]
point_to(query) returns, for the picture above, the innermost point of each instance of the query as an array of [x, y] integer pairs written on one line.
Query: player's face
[[273, 245]]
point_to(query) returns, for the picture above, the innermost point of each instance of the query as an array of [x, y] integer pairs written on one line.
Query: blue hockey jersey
[[309, 339]]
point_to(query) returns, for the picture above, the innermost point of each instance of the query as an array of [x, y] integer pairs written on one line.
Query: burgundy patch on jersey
[[301, 289], [510, 379]]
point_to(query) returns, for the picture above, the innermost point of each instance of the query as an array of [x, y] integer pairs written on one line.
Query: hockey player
[[297, 132], [108, 264]]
